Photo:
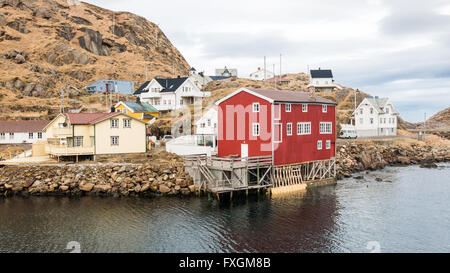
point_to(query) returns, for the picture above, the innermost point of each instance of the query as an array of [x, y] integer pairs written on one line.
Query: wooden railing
[[61, 150], [225, 163]]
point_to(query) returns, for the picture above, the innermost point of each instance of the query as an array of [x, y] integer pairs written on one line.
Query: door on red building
[[244, 151]]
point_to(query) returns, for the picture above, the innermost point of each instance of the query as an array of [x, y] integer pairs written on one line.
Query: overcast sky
[[389, 48]]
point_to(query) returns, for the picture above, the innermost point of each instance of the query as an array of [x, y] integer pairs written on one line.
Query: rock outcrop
[[83, 42], [357, 156]]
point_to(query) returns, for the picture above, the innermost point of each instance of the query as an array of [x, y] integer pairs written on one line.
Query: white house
[[199, 79], [171, 93], [22, 131], [207, 124], [322, 80], [376, 117], [226, 72], [259, 74]]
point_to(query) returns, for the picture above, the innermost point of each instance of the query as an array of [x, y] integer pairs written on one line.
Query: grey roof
[[171, 84], [379, 103], [140, 106], [141, 88], [291, 96], [218, 78], [321, 73]]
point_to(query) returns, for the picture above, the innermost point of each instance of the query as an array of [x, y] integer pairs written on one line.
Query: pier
[[217, 175]]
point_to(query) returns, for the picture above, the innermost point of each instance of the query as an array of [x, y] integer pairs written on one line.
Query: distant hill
[[49, 45]]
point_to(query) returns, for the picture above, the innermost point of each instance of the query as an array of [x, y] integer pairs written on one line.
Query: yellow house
[[90, 134], [139, 110]]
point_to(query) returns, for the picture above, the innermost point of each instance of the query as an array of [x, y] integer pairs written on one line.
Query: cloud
[[399, 49]]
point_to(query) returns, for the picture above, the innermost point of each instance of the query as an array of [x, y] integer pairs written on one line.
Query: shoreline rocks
[[356, 156], [95, 179]]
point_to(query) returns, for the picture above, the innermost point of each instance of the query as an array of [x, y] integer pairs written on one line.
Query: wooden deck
[[238, 169]]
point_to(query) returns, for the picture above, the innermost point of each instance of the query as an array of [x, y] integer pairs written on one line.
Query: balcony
[[63, 150]]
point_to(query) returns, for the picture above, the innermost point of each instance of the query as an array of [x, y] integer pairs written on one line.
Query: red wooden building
[[292, 127]]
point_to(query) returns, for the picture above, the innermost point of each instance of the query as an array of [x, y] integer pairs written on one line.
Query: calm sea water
[[408, 212]]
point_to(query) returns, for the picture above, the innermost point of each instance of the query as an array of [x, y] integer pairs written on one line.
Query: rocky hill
[[50, 45], [440, 120]]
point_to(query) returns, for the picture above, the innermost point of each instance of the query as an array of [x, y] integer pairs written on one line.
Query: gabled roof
[[22, 126], [138, 106], [141, 88], [87, 118], [321, 73], [171, 84], [379, 104], [281, 96]]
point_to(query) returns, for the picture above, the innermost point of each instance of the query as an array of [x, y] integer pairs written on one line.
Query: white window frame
[[11, 135], [324, 108], [325, 128], [114, 143], [30, 135], [125, 121], [2, 136], [39, 135], [319, 145], [255, 125], [289, 129], [113, 125], [286, 107], [78, 141], [304, 108], [305, 128], [256, 107], [328, 145]]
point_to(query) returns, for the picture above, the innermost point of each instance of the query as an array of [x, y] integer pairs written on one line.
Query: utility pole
[[61, 108], [265, 70], [114, 23], [146, 72], [424, 125], [275, 79], [280, 69]]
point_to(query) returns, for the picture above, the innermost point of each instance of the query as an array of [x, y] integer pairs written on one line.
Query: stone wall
[[95, 179]]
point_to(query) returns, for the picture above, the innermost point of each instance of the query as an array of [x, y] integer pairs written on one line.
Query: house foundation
[[218, 176]]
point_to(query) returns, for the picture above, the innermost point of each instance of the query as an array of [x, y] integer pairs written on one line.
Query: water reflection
[[406, 211]]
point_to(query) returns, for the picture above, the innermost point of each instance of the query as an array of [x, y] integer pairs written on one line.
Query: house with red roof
[[90, 134], [22, 131]]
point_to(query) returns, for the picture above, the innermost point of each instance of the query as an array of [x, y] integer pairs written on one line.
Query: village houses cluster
[[273, 121]]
